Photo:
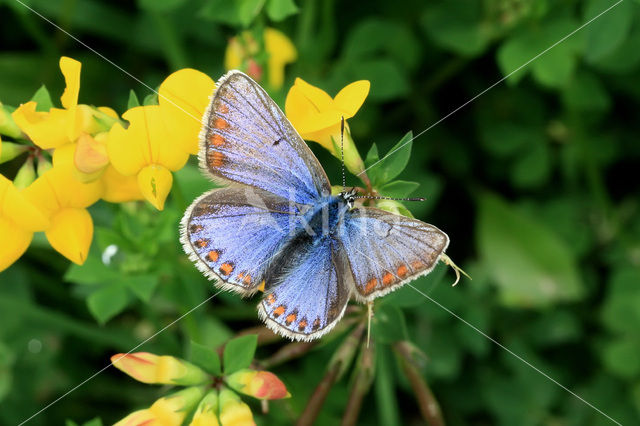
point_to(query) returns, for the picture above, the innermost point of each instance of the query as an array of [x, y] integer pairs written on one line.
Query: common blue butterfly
[[276, 227]]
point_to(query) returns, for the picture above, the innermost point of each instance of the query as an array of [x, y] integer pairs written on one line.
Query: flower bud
[[258, 384], [149, 368], [207, 412], [26, 175], [234, 412]]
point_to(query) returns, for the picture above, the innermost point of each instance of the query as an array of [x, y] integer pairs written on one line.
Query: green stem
[[365, 372]]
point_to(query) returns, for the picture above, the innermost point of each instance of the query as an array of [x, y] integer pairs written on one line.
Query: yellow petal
[[206, 413], [127, 149], [234, 412], [58, 188], [318, 97], [350, 98], [138, 418], [183, 97], [15, 241], [71, 70], [90, 155], [173, 409], [233, 55], [281, 52], [70, 233], [17, 208], [119, 188], [46, 129], [108, 111], [155, 183]]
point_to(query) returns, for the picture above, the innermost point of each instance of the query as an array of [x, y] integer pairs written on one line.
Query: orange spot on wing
[[387, 279], [216, 159], [202, 243], [402, 271], [220, 123], [316, 324], [271, 299], [226, 268], [223, 109], [371, 284], [290, 318], [247, 279], [213, 255], [278, 311], [216, 140], [195, 228], [417, 264], [302, 325]]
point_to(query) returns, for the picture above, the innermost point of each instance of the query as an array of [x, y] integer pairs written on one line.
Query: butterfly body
[[277, 228]]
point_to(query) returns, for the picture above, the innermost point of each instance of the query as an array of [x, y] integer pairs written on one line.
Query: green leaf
[[224, 11], [43, 99], [607, 32], [133, 100], [206, 358], [248, 10], [398, 188], [160, 5], [620, 356], [372, 155], [456, 28], [393, 206], [92, 272], [385, 392], [585, 92], [389, 324], [108, 301], [393, 162], [620, 311], [277, 10], [531, 168], [531, 266], [142, 285], [388, 80], [238, 353], [150, 99]]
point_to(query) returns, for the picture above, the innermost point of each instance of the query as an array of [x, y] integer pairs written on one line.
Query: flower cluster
[[207, 399], [79, 154]]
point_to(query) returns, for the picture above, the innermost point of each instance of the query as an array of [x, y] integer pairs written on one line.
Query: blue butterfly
[[276, 227]]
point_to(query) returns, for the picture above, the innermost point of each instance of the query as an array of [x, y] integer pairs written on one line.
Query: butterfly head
[[349, 196]]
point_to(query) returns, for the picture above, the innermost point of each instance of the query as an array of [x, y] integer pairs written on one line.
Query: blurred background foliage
[[536, 182]]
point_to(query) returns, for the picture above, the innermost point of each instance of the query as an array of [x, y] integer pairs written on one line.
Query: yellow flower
[[234, 412], [206, 413], [242, 53], [168, 411], [63, 200], [150, 368], [57, 126], [19, 219], [183, 97], [258, 384], [146, 150], [317, 117]]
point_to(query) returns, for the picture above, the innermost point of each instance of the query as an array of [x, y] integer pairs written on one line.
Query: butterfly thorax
[[323, 218]]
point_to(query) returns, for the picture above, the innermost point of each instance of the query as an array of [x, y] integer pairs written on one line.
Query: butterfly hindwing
[[232, 233], [247, 139], [386, 250], [307, 288]]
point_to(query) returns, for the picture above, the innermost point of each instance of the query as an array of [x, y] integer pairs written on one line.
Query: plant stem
[[318, 397], [427, 403], [286, 353], [361, 385]]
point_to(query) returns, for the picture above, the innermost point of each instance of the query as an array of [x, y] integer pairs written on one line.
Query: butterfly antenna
[[344, 183], [376, 197]]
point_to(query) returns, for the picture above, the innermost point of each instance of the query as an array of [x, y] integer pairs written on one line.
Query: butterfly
[[276, 227]]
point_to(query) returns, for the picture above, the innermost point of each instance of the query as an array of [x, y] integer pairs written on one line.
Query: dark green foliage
[[536, 183]]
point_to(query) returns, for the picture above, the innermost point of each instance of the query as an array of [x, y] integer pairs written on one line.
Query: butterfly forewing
[[247, 139], [386, 250]]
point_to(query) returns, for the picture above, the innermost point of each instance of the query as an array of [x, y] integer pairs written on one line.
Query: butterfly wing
[[386, 250], [232, 233], [307, 289], [247, 139]]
